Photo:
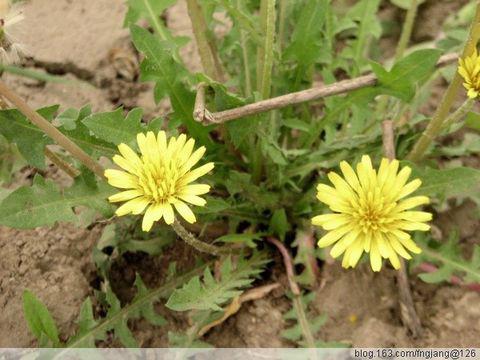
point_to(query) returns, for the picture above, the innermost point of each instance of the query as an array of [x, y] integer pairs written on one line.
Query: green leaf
[[209, 294], [472, 120], [446, 182], [449, 260], [43, 204], [114, 128], [39, 320], [86, 322], [147, 310], [117, 315], [246, 239], [38, 205], [279, 224], [307, 36], [30, 140], [68, 119], [159, 66], [407, 73]]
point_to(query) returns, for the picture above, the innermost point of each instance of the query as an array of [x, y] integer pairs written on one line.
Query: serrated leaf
[[44, 204], [160, 66], [407, 73], [246, 239], [306, 43], [209, 294], [39, 320], [147, 310], [30, 140], [86, 322], [38, 205], [446, 182], [449, 260], [114, 128], [119, 325]]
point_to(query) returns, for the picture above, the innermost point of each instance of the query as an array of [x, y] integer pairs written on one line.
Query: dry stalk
[[341, 87]]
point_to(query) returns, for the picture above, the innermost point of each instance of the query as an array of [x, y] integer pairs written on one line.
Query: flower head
[[372, 213], [469, 69], [160, 179]]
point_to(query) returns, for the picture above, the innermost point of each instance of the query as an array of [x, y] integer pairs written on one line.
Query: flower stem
[[191, 240], [407, 29], [50, 130], [206, 47], [436, 124], [61, 164], [459, 114], [268, 24]]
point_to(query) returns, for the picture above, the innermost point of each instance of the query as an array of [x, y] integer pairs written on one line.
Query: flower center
[[158, 181]]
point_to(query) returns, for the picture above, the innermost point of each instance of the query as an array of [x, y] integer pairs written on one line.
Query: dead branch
[[201, 114]]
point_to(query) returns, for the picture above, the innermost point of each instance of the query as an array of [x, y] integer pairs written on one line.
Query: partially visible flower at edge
[[10, 16], [160, 179], [469, 70], [372, 212]]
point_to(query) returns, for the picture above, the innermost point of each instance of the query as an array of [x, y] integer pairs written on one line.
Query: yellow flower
[[469, 69], [160, 179], [371, 213]]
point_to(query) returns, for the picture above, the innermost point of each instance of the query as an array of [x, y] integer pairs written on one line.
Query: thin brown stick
[[407, 308], [297, 294], [61, 164], [288, 262], [299, 97], [50, 130]]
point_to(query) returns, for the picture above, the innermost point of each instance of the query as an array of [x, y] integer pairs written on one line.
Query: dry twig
[[203, 115]]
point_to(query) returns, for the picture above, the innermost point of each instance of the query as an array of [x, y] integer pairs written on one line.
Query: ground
[[83, 40]]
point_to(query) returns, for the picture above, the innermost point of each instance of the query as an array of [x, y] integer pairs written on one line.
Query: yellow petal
[[193, 199], [194, 159], [333, 236], [412, 203], [375, 258], [168, 214], [130, 155], [135, 206], [185, 211], [415, 216], [410, 245], [198, 172], [153, 213], [399, 249], [124, 164], [340, 247], [121, 179], [357, 251], [412, 226], [409, 188], [195, 189], [330, 221], [349, 175], [125, 195]]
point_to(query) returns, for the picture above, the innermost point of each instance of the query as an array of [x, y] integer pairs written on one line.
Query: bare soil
[[83, 40]]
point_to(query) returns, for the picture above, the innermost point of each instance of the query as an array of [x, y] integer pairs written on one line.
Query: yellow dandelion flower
[[469, 69], [160, 179], [372, 213]]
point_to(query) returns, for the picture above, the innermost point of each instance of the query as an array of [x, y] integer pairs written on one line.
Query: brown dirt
[[56, 263]]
